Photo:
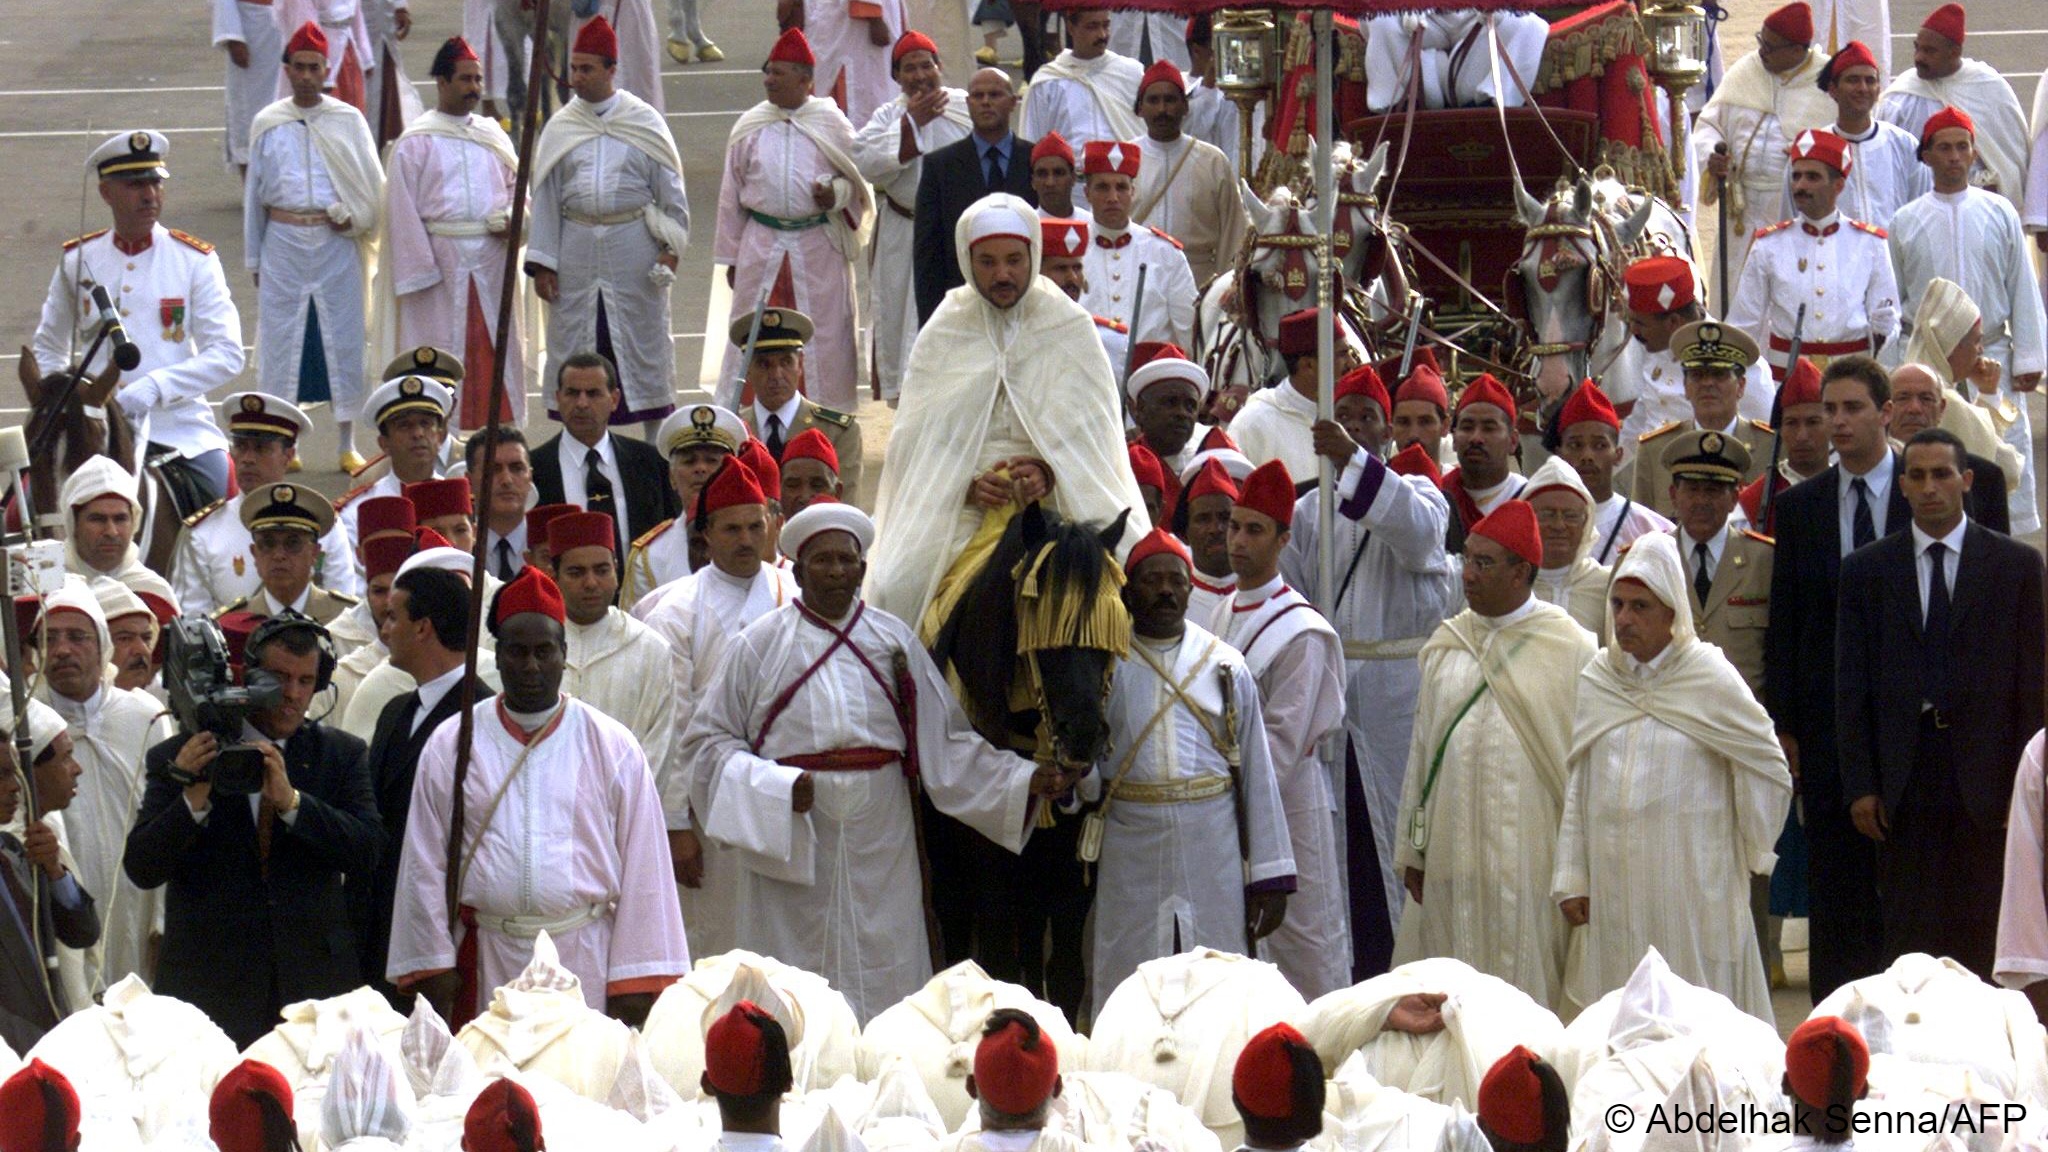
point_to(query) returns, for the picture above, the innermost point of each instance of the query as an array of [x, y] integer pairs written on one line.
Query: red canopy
[[1341, 7]]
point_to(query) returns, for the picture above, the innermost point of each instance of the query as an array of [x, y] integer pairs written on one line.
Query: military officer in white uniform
[[411, 414], [1120, 248], [695, 440], [214, 563], [168, 291]]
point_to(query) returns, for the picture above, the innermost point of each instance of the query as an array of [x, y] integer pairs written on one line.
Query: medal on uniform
[[239, 565], [172, 312]]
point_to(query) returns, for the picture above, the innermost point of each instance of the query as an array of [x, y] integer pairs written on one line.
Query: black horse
[[1031, 646]]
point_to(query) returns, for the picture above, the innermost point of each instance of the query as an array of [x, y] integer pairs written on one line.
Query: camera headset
[[274, 626]]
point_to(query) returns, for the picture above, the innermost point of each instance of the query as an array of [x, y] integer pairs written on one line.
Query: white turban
[[1946, 315], [44, 725], [97, 477], [1653, 562], [1001, 215], [454, 560], [366, 1097], [1555, 473], [825, 516]]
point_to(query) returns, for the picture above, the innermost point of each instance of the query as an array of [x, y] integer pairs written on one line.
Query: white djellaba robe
[[1451, 78], [774, 159], [307, 1045], [837, 890], [1394, 586], [1978, 89], [316, 162], [1187, 189], [248, 89], [540, 1024], [988, 384], [387, 64], [1757, 113], [143, 1065], [1299, 664], [1163, 882], [698, 617], [1209, 598], [1677, 795], [640, 48], [2034, 213], [821, 1050], [383, 682], [853, 71], [448, 189], [1150, 35], [578, 834], [614, 665], [607, 199], [1084, 100], [2023, 908], [891, 285], [1836, 22], [1976, 240], [1936, 1012], [1486, 834], [109, 735]]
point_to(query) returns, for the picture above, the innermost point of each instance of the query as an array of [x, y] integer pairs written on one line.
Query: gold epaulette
[[348, 497], [75, 241], [194, 519], [191, 241], [1168, 237], [652, 534], [1873, 229], [1760, 537], [1653, 433], [1114, 325], [1768, 229]]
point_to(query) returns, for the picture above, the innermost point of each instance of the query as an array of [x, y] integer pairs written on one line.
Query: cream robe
[[149, 1062], [579, 826], [1978, 89], [1938, 1012], [1491, 820], [1579, 588], [837, 890], [1187, 189], [674, 1033], [1084, 100], [614, 666], [540, 1023], [383, 683], [1276, 424], [2023, 908], [1757, 114], [892, 287], [1163, 884], [308, 1041]]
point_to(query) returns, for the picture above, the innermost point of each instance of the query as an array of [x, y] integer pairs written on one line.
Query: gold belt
[[1172, 791], [624, 217], [307, 219]]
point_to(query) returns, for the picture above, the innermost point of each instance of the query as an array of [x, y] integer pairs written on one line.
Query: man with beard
[[1186, 188], [1483, 437], [134, 629], [1088, 93], [954, 177]]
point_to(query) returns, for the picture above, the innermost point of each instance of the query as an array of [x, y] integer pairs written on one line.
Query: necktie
[[409, 715], [1864, 529], [1702, 583], [995, 169], [1936, 630], [597, 494], [774, 440], [508, 567]]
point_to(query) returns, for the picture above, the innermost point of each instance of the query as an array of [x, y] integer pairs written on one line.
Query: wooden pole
[[480, 486]]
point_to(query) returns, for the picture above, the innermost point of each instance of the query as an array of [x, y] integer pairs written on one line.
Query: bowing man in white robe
[[823, 721], [448, 206], [1942, 77], [610, 219], [1188, 798], [794, 212], [1487, 768], [310, 210], [890, 149], [1088, 93], [563, 832], [614, 662], [248, 36], [1678, 793]]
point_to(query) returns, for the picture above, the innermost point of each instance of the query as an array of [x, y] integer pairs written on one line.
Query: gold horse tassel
[[1046, 622]]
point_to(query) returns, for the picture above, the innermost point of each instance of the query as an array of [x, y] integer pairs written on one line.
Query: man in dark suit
[[32, 875], [428, 624], [586, 465], [1938, 691], [993, 159], [256, 916]]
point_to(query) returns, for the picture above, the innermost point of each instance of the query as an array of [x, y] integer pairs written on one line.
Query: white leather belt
[[528, 927], [623, 217], [1403, 648], [458, 228]]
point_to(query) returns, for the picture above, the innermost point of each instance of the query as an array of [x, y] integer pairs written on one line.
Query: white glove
[[339, 215], [661, 275], [498, 221]]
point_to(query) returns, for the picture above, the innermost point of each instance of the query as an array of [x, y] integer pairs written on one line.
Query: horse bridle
[[1575, 245]]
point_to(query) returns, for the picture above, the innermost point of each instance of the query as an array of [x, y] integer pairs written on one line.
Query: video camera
[[205, 698]]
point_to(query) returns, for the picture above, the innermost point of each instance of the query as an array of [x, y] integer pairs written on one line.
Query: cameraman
[[255, 917]]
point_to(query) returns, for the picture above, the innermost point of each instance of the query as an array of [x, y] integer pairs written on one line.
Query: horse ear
[[1376, 166], [1254, 207], [103, 385], [31, 376], [1530, 208], [1035, 530], [1114, 534], [1582, 199], [1631, 229]]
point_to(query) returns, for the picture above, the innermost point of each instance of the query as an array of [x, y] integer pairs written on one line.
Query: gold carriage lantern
[[1247, 53], [1678, 60]]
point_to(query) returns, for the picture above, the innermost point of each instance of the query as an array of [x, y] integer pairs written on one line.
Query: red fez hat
[[1854, 54], [235, 628], [1298, 333], [1269, 489], [1415, 460], [1104, 156], [811, 444], [1390, 368], [530, 591], [793, 48], [382, 556], [1513, 527], [597, 39], [502, 1118], [1821, 148], [580, 530], [1424, 382], [1363, 381], [162, 609], [1946, 22], [1146, 467], [761, 462], [1588, 405], [433, 499], [538, 519], [425, 538], [732, 486], [1264, 1081], [462, 50], [1658, 285], [1213, 480], [1158, 542], [1794, 22], [1950, 116], [1487, 390], [386, 514], [1162, 71], [1802, 386], [1146, 351], [33, 1100], [309, 38], [1812, 1053], [1016, 1066], [912, 41], [1052, 144], [1511, 1098], [1217, 437], [736, 1051], [238, 1118], [1067, 239]]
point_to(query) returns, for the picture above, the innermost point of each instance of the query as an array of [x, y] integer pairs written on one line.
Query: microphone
[[126, 355]]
